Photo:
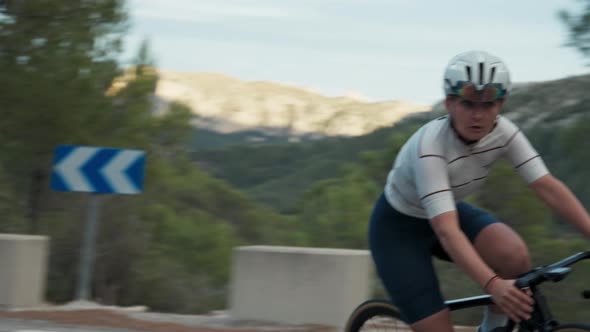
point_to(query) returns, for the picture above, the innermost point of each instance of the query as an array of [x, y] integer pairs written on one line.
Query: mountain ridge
[[225, 104], [542, 110]]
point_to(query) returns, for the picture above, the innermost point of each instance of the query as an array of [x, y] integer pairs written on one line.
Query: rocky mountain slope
[[225, 104]]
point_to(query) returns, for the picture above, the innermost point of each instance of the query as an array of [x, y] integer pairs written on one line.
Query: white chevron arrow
[[69, 168], [114, 172]]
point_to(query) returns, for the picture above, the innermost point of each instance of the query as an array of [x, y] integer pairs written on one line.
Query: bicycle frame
[[542, 319], [469, 302], [542, 313]]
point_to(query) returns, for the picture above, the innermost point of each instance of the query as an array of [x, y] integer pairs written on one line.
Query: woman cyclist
[[421, 212]]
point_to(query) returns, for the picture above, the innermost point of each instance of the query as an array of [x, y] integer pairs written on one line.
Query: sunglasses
[[467, 90]]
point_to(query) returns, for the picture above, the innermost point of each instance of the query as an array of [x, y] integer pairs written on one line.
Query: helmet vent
[[468, 70], [492, 74], [481, 73]]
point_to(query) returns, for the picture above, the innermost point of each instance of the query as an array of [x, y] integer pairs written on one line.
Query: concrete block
[[295, 285], [23, 259]]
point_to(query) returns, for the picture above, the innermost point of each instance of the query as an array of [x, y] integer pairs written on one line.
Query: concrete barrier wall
[[294, 285], [23, 269]]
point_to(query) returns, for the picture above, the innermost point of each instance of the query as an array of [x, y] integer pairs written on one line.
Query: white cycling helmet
[[479, 70]]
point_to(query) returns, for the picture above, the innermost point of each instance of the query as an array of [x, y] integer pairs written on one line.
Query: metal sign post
[[95, 170], [88, 249]]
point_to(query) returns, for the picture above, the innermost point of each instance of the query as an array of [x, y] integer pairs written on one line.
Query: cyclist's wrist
[[490, 282]]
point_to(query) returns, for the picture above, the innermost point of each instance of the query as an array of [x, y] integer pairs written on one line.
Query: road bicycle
[[381, 315]]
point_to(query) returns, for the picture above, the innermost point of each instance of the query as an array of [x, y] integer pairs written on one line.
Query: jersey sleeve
[[433, 186], [432, 178], [524, 158]]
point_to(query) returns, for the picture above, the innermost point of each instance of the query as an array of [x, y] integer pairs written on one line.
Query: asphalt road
[[20, 325]]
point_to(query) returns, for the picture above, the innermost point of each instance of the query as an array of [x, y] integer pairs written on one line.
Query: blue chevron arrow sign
[[97, 170]]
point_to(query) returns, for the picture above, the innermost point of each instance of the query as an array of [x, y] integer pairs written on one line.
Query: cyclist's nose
[[477, 112]]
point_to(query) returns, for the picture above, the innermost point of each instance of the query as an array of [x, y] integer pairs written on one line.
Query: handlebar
[[553, 272]]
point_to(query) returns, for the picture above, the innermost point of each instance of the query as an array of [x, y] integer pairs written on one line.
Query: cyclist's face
[[473, 119]]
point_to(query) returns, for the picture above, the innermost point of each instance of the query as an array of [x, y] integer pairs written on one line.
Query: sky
[[374, 49]]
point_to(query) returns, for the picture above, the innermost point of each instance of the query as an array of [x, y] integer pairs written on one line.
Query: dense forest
[[60, 64]]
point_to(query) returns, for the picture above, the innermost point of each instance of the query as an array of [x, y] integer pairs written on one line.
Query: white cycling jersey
[[435, 168]]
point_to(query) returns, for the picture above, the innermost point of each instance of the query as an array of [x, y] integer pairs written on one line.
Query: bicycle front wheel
[[375, 316]]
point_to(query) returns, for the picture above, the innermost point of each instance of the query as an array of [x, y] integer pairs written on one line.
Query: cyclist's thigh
[[498, 244], [400, 246], [472, 221]]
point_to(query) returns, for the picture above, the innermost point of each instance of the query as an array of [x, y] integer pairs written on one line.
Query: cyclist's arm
[[459, 248], [515, 303], [561, 200]]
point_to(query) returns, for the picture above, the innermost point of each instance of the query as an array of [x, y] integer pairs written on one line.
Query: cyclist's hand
[[516, 303]]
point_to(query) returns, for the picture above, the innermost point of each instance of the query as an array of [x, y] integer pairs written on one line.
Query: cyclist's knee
[[512, 260], [503, 250]]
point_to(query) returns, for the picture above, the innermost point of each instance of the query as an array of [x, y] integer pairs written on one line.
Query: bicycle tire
[[382, 315], [572, 327], [375, 315]]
